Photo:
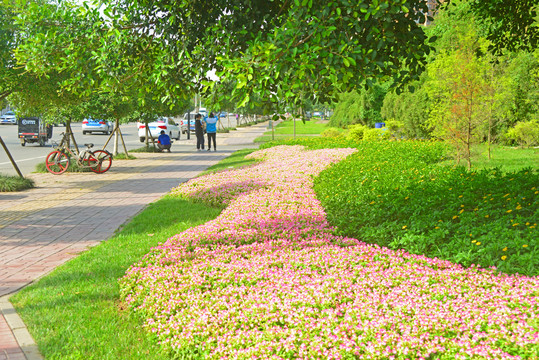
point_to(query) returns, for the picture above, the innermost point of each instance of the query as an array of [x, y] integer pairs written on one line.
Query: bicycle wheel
[[100, 161], [57, 162]]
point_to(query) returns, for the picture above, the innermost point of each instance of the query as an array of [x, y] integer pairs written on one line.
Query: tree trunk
[[11, 158], [116, 137]]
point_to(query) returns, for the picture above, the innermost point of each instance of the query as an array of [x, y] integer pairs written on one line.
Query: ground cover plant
[[396, 194], [270, 278], [14, 183]]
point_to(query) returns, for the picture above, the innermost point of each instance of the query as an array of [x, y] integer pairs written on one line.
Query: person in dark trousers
[[199, 132], [211, 130], [163, 141]]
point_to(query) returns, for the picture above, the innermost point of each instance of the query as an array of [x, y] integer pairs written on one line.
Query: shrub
[[376, 134], [356, 132], [331, 133], [525, 133], [395, 127]]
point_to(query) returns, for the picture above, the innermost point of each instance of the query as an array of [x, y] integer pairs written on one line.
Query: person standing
[[199, 132], [211, 130]]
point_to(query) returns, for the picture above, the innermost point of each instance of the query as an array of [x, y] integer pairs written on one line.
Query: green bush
[[331, 133], [396, 128], [376, 134], [356, 132], [395, 194], [525, 133]]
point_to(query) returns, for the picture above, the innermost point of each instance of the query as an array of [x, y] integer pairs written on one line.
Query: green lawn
[[285, 129], [237, 159], [508, 159]]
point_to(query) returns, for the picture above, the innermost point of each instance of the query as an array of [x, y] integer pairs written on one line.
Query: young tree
[[458, 87]]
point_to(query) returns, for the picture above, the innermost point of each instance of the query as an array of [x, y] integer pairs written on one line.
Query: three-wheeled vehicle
[[33, 129]]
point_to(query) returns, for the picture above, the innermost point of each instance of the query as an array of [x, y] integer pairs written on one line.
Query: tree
[[282, 50], [458, 87], [526, 133], [510, 24], [8, 73], [360, 107], [410, 108]]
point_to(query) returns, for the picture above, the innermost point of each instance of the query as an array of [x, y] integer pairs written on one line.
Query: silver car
[[93, 125]]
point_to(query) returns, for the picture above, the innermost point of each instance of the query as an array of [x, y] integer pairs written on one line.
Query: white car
[[8, 118], [155, 127]]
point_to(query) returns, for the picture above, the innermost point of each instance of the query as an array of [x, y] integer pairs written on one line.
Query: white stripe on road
[[30, 159]]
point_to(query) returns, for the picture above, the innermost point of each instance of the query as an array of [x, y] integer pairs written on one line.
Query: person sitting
[[163, 141]]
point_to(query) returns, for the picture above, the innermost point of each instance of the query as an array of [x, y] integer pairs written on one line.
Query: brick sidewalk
[[64, 215]]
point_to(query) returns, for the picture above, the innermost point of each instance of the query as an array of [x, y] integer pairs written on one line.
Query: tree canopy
[[277, 49], [510, 24]]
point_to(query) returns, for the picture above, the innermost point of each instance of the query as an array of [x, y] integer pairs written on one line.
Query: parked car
[[9, 118], [94, 125], [223, 114], [183, 122], [155, 127]]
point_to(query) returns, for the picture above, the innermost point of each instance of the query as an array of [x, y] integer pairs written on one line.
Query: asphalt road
[[27, 157]]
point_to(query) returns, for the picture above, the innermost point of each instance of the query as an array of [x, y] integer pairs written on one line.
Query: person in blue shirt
[[211, 130], [163, 141]]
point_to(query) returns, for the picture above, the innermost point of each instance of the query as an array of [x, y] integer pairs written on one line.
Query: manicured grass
[[503, 157], [14, 183], [285, 130], [302, 128], [74, 312], [237, 159], [73, 168]]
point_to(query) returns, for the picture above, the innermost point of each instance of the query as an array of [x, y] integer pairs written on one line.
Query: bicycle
[[57, 162]]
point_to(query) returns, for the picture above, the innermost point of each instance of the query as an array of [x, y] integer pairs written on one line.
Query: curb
[[20, 332]]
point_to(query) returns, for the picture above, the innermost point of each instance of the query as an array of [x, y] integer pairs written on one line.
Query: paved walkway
[[64, 215]]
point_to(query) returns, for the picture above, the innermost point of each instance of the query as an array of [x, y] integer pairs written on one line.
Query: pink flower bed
[[268, 279]]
